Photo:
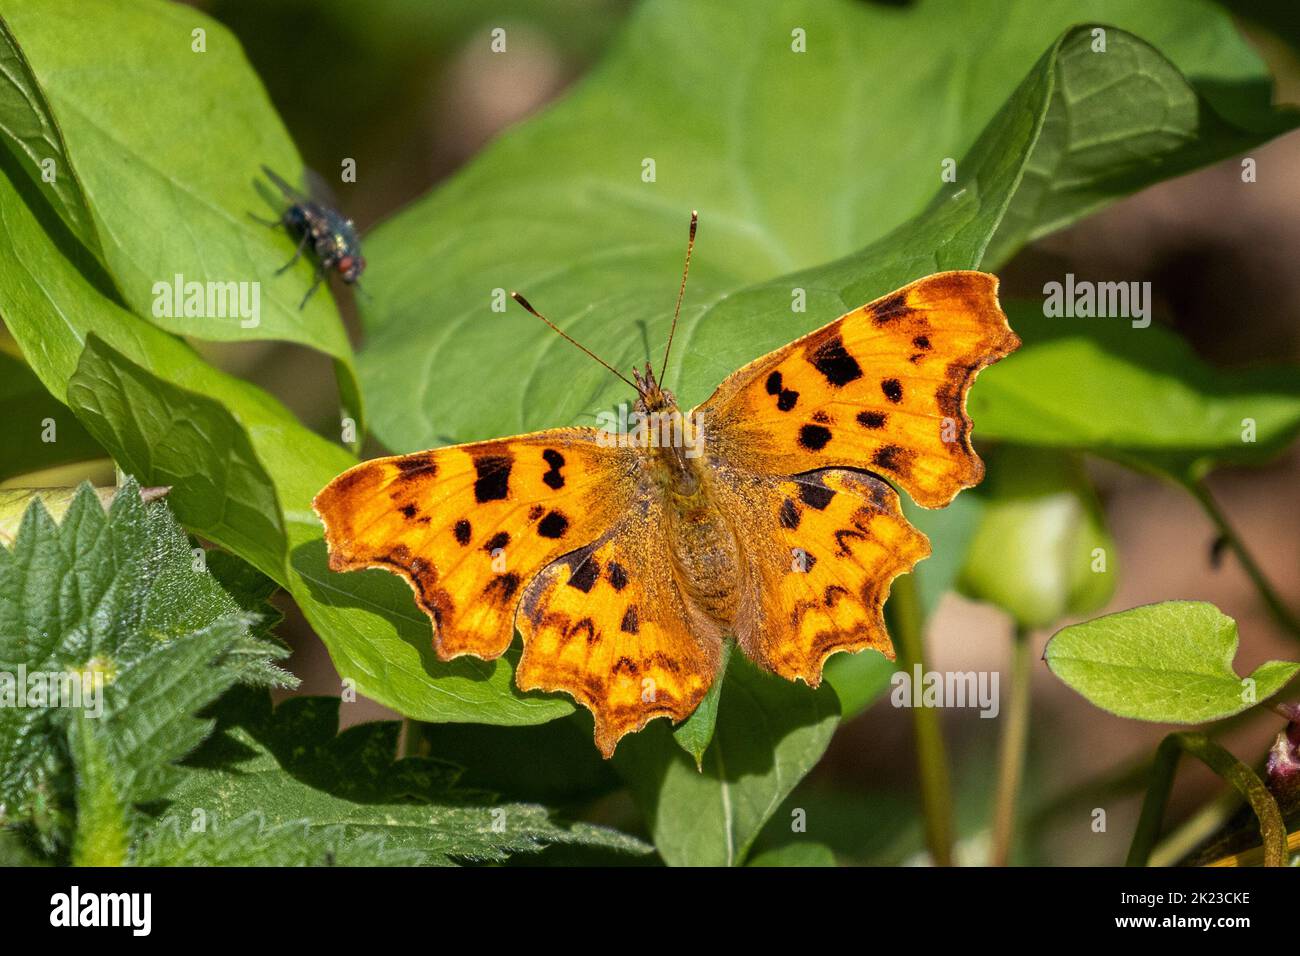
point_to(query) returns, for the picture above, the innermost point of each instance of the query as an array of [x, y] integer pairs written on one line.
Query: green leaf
[[1169, 662], [112, 607], [804, 853], [769, 733], [1138, 395], [696, 731], [185, 441], [251, 841], [29, 130], [368, 621], [32, 416], [557, 207], [146, 159], [293, 767], [1042, 551]]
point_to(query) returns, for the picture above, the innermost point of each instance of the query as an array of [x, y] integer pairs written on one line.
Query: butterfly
[[766, 515]]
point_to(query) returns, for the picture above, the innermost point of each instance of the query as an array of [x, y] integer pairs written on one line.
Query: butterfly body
[[765, 515]]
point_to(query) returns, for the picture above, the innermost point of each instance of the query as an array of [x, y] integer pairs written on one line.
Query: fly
[[321, 229]]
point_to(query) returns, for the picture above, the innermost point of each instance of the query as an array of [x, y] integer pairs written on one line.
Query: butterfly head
[[651, 396]]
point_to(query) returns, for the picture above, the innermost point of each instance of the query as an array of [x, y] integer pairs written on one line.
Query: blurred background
[[409, 89]]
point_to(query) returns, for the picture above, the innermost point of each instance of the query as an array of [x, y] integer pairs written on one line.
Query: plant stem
[[1281, 613], [1232, 770], [932, 761], [1011, 756]]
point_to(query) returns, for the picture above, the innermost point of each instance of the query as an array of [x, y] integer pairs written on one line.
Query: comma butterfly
[[764, 515]]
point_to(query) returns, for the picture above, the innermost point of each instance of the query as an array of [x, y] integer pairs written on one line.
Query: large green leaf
[[769, 733], [1140, 395], [558, 209], [375, 634], [147, 178], [1169, 662]]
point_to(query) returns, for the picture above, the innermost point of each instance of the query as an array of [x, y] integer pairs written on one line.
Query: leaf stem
[[932, 760], [1280, 612], [1011, 756], [1232, 770]]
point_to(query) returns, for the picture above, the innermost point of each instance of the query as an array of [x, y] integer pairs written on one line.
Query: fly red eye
[[345, 264]]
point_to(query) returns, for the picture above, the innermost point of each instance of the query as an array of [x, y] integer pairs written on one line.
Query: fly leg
[[320, 275], [269, 223], [297, 253]]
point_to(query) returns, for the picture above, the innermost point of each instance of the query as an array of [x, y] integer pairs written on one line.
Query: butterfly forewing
[[882, 388]]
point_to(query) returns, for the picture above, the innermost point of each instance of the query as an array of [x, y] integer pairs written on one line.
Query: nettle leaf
[[769, 733], [118, 598], [293, 767], [52, 303], [557, 207], [695, 733], [1169, 662], [1138, 395], [146, 177], [806, 853], [40, 432], [1042, 550]]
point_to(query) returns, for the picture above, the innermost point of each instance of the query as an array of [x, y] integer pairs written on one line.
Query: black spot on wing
[[413, 466], [815, 496], [814, 437], [789, 514], [462, 531], [554, 525], [497, 541], [835, 363], [893, 390], [493, 481], [553, 478], [617, 576], [872, 419], [408, 511], [631, 623], [502, 587], [585, 573], [889, 309]]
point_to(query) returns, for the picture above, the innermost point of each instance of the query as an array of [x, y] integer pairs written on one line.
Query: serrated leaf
[[1169, 662], [293, 767], [769, 733], [110, 605]]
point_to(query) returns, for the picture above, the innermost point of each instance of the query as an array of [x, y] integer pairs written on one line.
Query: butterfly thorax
[[702, 545]]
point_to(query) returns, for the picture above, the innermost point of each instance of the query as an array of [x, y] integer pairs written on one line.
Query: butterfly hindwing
[[882, 388], [608, 625], [469, 526], [822, 549]]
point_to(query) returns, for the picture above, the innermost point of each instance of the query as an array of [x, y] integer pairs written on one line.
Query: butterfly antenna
[[570, 339], [686, 270]]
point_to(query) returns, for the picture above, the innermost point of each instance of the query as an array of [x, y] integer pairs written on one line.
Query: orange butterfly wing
[[882, 388], [608, 625], [469, 526], [796, 435]]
